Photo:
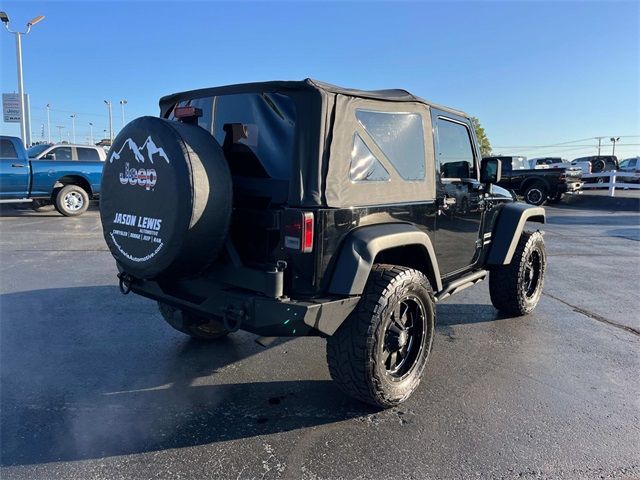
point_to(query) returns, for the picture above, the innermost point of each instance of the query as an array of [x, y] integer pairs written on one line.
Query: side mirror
[[490, 170], [49, 156]]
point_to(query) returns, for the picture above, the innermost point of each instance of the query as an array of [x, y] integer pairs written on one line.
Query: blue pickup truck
[[68, 185]]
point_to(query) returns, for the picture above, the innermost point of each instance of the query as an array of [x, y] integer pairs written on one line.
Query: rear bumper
[[246, 310], [570, 187]]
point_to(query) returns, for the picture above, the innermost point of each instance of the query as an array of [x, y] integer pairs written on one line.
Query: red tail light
[[298, 231], [563, 177]]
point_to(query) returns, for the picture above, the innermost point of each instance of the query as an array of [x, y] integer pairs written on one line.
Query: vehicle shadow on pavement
[[449, 314], [24, 210], [87, 373]]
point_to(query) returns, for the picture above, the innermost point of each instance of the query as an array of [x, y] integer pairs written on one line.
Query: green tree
[[481, 135]]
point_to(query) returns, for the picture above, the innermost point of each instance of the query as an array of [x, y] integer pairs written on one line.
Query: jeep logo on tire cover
[[135, 232]]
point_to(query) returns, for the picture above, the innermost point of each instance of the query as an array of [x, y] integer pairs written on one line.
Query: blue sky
[[535, 73]]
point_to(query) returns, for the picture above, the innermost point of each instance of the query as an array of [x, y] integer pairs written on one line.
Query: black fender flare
[[359, 250], [508, 228]]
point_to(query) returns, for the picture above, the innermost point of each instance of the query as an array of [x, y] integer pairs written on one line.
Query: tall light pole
[[122, 104], [25, 129], [91, 132], [108, 103], [614, 140], [73, 126], [60, 127], [48, 123]]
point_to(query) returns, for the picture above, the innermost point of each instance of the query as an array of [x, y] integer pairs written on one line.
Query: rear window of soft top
[[256, 131]]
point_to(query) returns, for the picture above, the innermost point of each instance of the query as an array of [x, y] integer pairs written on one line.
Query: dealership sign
[[11, 107]]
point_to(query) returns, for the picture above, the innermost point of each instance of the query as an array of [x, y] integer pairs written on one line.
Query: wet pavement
[[95, 385]]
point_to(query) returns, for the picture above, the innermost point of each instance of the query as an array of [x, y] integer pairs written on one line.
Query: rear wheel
[[516, 288], [535, 194], [72, 201], [193, 325], [380, 351]]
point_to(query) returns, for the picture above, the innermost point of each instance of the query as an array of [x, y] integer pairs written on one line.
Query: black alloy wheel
[[403, 337]]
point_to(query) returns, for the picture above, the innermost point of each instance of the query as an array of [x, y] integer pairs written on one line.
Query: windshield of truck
[[255, 130], [36, 150]]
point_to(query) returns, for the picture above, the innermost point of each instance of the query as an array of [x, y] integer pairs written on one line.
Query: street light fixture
[[108, 104], [49, 122], [122, 104], [25, 128], [614, 140], [73, 126]]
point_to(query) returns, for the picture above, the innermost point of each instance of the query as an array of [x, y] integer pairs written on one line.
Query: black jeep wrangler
[[302, 208]]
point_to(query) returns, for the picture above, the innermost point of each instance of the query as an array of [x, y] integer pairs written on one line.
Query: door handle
[[17, 165]]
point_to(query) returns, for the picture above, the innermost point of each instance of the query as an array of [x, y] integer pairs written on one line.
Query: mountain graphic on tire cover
[[149, 144], [166, 198]]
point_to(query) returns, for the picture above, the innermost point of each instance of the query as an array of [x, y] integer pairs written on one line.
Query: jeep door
[[458, 193]]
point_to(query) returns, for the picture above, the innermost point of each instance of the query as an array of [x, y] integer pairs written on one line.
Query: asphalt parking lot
[[95, 385]]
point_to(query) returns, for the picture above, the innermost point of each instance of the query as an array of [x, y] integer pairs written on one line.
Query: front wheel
[[536, 194], [191, 324], [516, 288], [379, 353], [72, 201]]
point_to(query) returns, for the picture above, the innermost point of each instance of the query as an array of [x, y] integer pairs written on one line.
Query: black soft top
[[390, 95], [326, 129]]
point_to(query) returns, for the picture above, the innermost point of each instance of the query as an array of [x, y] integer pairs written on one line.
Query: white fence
[[613, 180]]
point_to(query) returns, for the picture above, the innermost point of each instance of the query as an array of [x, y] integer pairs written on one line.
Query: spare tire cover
[[166, 198]]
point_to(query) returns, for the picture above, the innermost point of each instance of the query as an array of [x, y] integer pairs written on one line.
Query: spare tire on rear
[[166, 198]]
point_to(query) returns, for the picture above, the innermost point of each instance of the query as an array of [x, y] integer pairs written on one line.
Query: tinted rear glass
[[7, 150], [256, 131], [88, 154]]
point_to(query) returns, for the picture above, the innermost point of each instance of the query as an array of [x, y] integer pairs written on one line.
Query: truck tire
[[72, 201], [536, 194], [192, 325], [379, 353], [516, 288], [166, 198]]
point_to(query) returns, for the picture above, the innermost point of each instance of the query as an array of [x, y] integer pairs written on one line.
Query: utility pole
[[614, 140], [91, 130], [73, 126], [599, 143], [60, 127], [25, 128], [108, 103], [48, 123], [122, 104]]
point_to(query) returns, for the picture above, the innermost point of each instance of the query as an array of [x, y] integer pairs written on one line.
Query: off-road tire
[[192, 325], [536, 194], [355, 352], [506, 282], [557, 198], [72, 201]]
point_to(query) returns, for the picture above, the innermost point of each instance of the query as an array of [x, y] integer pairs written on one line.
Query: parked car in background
[[557, 162], [630, 166], [67, 184], [67, 152], [537, 186], [599, 163]]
